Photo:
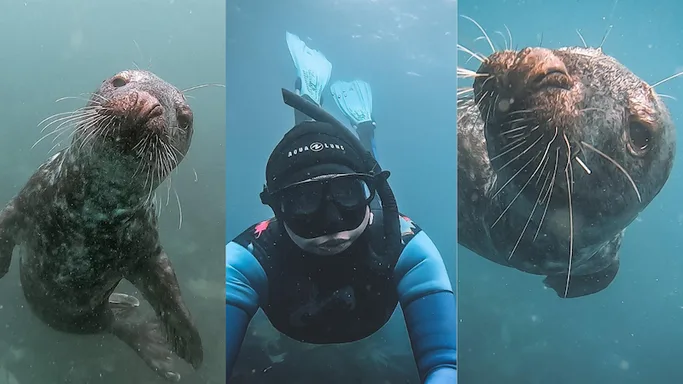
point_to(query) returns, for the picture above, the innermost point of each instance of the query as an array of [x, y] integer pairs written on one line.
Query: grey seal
[[86, 220], [558, 152]]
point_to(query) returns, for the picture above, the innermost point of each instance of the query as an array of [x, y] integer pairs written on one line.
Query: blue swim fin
[[354, 99], [312, 68]]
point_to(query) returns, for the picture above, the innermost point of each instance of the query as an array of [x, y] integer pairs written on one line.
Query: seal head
[[575, 146], [137, 123]]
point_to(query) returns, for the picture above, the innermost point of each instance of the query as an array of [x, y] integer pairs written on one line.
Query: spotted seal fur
[[558, 152], [86, 220]]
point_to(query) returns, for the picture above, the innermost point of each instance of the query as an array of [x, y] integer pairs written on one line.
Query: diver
[[337, 257]]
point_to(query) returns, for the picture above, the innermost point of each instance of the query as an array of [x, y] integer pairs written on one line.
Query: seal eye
[[184, 117], [118, 82], [639, 136]]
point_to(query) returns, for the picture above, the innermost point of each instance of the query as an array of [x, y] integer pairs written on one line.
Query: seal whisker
[[520, 191], [549, 194], [570, 180], [511, 143], [522, 153], [514, 176], [667, 96], [493, 48], [60, 117], [517, 143], [79, 98], [513, 130], [546, 158], [504, 39], [53, 147], [533, 209], [509, 35], [583, 165], [180, 209], [66, 128], [76, 120], [91, 133], [660, 82], [200, 86], [60, 128], [604, 38], [61, 114], [582, 39], [168, 190], [473, 55], [616, 164], [142, 57], [520, 111], [521, 119], [464, 73], [101, 97], [464, 91]]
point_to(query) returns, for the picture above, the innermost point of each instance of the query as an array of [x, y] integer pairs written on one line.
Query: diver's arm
[[245, 285], [428, 304]]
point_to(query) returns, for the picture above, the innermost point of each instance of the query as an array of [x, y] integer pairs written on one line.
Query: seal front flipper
[[9, 224], [583, 285], [146, 338], [157, 282]]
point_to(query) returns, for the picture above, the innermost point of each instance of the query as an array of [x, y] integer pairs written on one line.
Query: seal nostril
[[157, 110], [549, 74], [554, 78]]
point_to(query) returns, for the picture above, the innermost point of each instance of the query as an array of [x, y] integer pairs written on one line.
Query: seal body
[[558, 152], [86, 220]]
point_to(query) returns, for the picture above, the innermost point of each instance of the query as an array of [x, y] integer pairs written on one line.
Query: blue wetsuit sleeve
[[429, 308], [245, 287]]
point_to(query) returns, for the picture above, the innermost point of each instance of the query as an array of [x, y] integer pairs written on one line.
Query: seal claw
[[124, 300]]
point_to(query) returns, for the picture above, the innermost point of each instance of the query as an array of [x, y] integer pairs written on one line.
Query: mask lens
[[350, 192], [301, 200]]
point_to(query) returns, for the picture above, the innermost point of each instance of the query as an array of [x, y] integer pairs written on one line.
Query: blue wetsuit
[[346, 297]]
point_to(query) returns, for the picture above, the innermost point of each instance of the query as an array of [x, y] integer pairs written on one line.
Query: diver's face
[[326, 214], [331, 244]]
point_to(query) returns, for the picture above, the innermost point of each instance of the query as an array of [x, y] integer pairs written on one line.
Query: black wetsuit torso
[[326, 299]]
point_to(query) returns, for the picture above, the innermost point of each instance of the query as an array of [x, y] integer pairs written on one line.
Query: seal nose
[[542, 68], [147, 107]]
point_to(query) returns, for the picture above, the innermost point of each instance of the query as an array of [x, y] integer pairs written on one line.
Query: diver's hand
[[444, 375]]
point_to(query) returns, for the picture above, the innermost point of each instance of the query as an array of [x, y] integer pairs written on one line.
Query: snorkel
[[390, 218]]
